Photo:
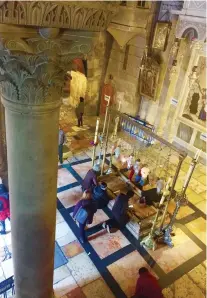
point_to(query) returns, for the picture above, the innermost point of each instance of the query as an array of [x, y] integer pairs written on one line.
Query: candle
[[119, 105], [166, 192], [168, 183], [188, 175], [96, 131], [197, 155], [116, 126], [107, 106]]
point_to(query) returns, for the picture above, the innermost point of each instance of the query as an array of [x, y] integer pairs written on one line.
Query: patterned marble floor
[[106, 267], [108, 264]]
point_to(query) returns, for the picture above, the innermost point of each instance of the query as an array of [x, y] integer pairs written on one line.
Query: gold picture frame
[[149, 75], [161, 35]]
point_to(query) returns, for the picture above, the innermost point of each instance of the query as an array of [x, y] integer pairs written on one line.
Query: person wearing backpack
[[83, 213], [100, 195], [4, 213]]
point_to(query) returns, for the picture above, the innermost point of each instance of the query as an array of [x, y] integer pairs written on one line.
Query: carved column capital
[[32, 70]]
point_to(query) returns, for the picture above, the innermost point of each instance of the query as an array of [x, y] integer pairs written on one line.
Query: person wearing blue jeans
[[61, 143], [86, 203]]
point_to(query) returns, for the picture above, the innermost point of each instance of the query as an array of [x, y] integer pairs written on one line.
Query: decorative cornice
[[90, 16]]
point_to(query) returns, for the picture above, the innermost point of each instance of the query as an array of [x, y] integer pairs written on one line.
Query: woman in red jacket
[[147, 285], [4, 213]]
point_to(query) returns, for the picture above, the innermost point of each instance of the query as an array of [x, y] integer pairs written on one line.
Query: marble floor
[[107, 265]]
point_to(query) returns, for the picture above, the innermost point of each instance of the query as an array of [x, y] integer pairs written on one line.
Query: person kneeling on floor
[[100, 195], [119, 211], [147, 285], [83, 213]]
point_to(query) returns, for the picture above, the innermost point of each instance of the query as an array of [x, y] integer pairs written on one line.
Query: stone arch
[[190, 33]]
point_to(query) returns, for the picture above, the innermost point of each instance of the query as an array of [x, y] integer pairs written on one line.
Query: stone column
[[30, 86], [3, 154], [171, 89]]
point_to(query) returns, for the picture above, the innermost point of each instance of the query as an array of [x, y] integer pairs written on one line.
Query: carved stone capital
[[32, 70], [84, 15]]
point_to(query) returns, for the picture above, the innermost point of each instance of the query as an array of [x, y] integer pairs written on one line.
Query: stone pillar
[[32, 134], [30, 86], [3, 154], [171, 89]]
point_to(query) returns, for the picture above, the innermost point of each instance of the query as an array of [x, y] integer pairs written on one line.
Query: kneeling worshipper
[[90, 180], [100, 195], [119, 212]]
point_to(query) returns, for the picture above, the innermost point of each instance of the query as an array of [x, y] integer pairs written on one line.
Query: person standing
[[80, 112], [87, 204], [4, 213], [147, 285], [90, 180], [61, 143]]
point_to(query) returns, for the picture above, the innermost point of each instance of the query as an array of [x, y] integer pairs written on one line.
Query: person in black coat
[[119, 211], [100, 195], [87, 203]]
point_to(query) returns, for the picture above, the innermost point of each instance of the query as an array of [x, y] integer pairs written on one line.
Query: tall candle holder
[[150, 241], [106, 146], [102, 136], [181, 200], [95, 141], [113, 139]]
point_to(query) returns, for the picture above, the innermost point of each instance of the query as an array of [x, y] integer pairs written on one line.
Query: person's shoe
[[108, 229], [3, 232], [104, 225]]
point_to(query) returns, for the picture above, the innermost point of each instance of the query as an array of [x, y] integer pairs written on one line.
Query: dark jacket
[[151, 196], [119, 209], [90, 180], [148, 287], [89, 206], [101, 197]]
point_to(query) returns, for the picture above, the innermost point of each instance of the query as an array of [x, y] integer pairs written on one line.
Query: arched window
[[190, 34]]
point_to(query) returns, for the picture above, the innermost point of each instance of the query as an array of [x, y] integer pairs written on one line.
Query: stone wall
[[151, 110], [131, 29], [97, 62], [124, 66]]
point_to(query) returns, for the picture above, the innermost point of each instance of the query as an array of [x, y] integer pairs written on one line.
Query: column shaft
[[32, 145], [3, 154]]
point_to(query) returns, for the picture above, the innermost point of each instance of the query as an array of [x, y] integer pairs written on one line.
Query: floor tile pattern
[[108, 265]]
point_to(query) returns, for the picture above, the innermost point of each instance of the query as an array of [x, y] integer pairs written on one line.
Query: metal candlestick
[[149, 241], [106, 146], [181, 200], [101, 137], [114, 139], [171, 192], [95, 141]]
